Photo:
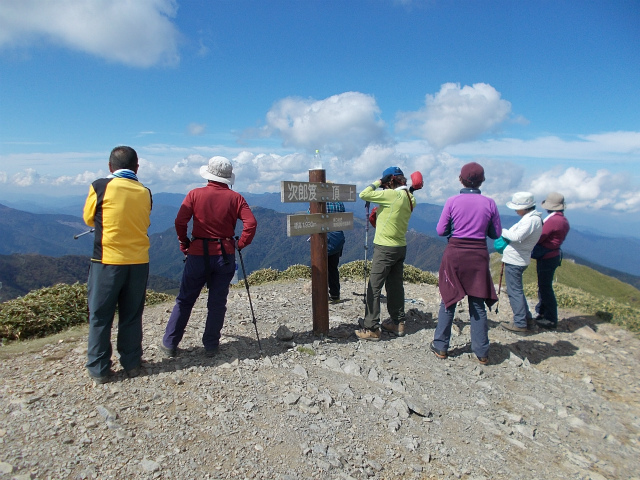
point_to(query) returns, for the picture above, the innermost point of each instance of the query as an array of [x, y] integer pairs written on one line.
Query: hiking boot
[[483, 360], [368, 334], [211, 352], [548, 324], [168, 352], [441, 354], [512, 327], [334, 299], [393, 328], [134, 372], [531, 324], [101, 380]]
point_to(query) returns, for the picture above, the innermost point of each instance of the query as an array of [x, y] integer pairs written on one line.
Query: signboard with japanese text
[[316, 192], [306, 224]]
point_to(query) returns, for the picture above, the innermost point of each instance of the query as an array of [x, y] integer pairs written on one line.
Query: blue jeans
[[547, 305], [517, 300], [479, 327], [193, 279], [109, 286]]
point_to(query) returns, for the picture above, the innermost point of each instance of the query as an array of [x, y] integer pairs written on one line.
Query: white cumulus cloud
[[139, 33], [26, 178], [600, 191], [343, 124], [455, 115]]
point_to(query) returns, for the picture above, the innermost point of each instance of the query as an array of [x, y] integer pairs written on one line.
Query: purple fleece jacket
[[470, 215]]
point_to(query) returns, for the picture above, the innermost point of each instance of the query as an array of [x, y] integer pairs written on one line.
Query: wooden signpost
[[316, 224]]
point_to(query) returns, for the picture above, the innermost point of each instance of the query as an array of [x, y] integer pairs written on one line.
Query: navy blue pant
[[515, 291], [193, 279], [479, 327], [547, 305], [334, 275], [109, 286]]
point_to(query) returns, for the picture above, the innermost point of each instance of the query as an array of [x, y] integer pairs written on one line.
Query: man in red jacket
[[210, 253], [555, 228]]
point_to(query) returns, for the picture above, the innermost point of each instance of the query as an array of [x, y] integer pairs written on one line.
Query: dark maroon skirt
[[464, 271]]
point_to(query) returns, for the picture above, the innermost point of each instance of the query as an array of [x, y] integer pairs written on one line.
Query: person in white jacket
[[522, 237]]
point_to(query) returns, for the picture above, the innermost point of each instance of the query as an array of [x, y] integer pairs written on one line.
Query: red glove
[[416, 180], [184, 246]]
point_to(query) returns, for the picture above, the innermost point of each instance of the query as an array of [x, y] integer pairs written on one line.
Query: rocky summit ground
[[551, 405]]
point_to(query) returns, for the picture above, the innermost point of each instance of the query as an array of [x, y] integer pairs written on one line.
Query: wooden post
[[319, 274]]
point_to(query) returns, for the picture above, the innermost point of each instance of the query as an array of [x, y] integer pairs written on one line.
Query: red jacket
[[215, 210], [554, 230]]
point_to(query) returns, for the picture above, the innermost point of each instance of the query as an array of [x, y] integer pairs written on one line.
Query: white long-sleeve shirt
[[522, 237]]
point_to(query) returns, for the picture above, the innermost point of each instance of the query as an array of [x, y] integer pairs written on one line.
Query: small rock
[[300, 371], [352, 368], [284, 334], [107, 413], [150, 466], [588, 332], [291, 398], [416, 406]]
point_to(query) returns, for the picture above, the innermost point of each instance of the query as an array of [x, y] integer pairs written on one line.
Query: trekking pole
[[246, 284], [499, 286], [75, 237], [366, 247]]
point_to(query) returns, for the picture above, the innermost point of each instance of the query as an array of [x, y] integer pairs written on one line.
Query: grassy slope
[[580, 277]]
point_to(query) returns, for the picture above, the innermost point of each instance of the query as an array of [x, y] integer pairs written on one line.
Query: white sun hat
[[219, 169], [521, 201]]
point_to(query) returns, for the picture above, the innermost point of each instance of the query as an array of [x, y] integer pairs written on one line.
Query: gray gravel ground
[[563, 404]]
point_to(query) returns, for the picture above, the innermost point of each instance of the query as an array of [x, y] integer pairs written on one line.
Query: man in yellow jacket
[[389, 250], [118, 208]]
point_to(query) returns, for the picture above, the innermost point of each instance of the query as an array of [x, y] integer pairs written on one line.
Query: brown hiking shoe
[[366, 334], [512, 327], [393, 328], [441, 354]]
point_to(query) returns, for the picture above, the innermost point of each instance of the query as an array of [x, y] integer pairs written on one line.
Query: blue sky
[[544, 94]]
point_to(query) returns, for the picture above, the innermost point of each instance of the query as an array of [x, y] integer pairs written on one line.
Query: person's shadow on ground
[[238, 348]]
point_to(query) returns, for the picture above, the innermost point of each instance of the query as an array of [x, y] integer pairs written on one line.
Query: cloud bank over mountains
[[356, 145], [454, 125]]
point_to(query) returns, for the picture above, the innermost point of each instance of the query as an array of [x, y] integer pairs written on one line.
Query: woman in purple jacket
[[467, 219]]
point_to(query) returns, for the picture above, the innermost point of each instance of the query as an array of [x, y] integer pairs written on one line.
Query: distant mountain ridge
[[20, 274], [52, 234]]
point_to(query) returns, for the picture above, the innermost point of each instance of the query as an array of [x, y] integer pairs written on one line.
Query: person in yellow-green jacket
[[118, 208], [396, 203]]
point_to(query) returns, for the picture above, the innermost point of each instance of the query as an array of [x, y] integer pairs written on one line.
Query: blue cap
[[392, 171]]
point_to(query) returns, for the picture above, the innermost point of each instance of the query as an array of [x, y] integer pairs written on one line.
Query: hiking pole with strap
[[366, 247], [246, 284], [499, 286], [75, 237]]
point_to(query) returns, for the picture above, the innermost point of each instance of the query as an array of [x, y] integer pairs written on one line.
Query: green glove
[[500, 244]]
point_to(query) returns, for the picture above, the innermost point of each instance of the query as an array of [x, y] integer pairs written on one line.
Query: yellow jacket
[[119, 209]]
